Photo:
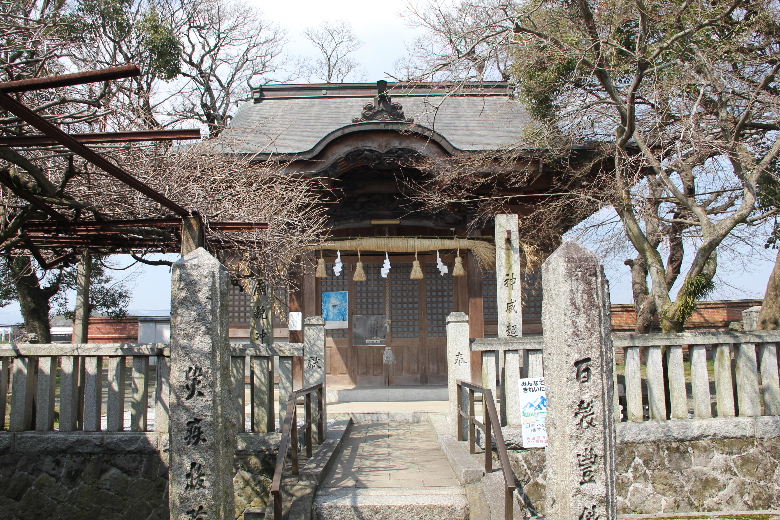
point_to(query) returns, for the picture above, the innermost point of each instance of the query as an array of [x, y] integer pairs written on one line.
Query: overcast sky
[[385, 35]]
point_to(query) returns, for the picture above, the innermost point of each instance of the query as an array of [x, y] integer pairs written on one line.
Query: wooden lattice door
[[418, 310]]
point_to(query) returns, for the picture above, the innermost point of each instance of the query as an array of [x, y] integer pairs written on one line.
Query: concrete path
[[388, 471]]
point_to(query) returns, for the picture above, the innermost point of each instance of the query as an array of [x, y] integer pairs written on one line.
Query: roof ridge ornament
[[382, 109]]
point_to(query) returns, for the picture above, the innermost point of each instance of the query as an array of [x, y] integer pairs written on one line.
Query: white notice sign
[[295, 321], [533, 407]]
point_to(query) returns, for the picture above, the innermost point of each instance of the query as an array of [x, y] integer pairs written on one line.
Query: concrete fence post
[[202, 419], [314, 359], [458, 363]]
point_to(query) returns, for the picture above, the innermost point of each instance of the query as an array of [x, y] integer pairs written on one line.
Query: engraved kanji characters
[[194, 434], [194, 380], [459, 358], [584, 414], [583, 369], [586, 462], [589, 513], [196, 478], [198, 513], [313, 362]]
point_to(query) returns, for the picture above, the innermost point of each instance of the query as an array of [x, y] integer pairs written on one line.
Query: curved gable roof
[[293, 119]]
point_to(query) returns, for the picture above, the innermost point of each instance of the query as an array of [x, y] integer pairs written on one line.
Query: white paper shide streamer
[[338, 266], [443, 269], [385, 267]]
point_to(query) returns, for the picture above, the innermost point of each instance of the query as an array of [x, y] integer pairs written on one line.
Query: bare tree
[[683, 98], [226, 47], [335, 43], [464, 41]]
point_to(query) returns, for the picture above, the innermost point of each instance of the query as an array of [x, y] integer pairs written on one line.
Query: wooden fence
[[664, 376]]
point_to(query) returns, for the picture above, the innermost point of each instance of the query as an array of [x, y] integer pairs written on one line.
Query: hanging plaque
[[369, 330]]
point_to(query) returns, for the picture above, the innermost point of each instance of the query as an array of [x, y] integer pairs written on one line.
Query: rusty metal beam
[[78, 78], [105, 137], [73, 145], [33, 226]]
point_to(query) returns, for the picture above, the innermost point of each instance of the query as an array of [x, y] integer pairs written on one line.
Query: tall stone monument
[[202, 422], [579, 366], [510, 316]]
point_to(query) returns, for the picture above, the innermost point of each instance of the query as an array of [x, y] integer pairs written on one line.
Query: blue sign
[[335, 309]]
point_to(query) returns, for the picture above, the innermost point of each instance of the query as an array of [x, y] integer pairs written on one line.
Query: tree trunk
[[769, 317], [33, 300], [646, 311], [82, 311]]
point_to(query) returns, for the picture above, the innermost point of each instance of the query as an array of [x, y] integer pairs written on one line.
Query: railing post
[[700, 381], [458, 362], [5, 363], [307, 409], [655, 383], [294, 435], [262, 394], [162, 408], [321, 415], [47, 371], [511, 410], [69, 392], [633, 380], [23, 385], [285, 385], [238, 390], [460, 429], [472, 426], [486, 397], [677, 394], [139, 398], [93, 368], [115, 413], [770, 384], [746, 369], [724, 384]]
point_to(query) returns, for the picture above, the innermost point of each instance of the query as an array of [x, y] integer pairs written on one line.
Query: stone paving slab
[[382, 455]]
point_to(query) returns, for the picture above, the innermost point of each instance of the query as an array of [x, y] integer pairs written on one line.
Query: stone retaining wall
[[713, 465], [119, 476]]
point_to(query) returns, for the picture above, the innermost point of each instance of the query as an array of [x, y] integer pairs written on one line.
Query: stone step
[[440, 503], [387, 394]]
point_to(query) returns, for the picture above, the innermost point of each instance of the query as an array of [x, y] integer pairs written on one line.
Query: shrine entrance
[[416, 336]]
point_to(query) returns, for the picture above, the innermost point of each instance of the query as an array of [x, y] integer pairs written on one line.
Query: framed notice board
[[369, 330]]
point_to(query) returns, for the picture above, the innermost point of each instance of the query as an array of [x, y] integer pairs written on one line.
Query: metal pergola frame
[[170, 234]]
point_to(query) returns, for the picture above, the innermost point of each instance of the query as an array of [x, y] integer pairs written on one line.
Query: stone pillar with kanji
[[202, 422], [579, 365], [510, 315]]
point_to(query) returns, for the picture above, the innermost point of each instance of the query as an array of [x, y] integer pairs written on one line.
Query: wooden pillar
[[295, 297], [192, 234], [476, 311], [81, 317]]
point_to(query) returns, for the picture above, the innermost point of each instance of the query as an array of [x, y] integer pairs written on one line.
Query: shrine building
[[364, 139]]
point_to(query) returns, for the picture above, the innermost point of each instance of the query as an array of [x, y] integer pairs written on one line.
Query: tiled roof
[[286, 123]]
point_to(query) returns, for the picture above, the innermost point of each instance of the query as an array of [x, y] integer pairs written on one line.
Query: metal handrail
[[289, 438], [490, 418]]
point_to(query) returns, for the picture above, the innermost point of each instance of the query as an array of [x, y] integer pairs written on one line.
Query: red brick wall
[[708, 315], [113, 330]]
